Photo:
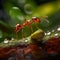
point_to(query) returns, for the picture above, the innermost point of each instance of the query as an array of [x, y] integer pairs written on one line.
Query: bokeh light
[[28, 9]]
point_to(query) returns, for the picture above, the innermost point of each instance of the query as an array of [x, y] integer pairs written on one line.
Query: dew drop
[[48, 33], [56, 34], [6, 41], [28, 9], [58, 29]]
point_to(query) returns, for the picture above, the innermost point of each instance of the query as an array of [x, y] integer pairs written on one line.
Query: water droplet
[[21, 18], [12, 38], [56, 34], [58, 29], [48, 33], [53, 30], [45, 34], [15, 8], [6, 41], [26, 40], [28, 9]]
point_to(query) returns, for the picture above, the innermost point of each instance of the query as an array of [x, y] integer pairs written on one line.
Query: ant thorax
[[27, 23]]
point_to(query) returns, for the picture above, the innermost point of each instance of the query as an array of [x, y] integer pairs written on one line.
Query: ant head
[[36, 19], [18, 25]]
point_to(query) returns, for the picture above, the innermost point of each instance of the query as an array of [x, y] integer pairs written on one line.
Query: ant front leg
[[36, 26], [31, 28]]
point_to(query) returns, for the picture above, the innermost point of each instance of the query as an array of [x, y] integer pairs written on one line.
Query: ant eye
[[35, 19], [19, 25]]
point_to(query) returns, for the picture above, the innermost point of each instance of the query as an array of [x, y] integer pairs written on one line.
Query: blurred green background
[[14, 11]]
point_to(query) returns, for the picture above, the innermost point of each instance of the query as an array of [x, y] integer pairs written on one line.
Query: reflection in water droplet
[[53, 30], [12, 58], [6, 41], [26, 40], [45, 34], [56, 34], [15, 8], [48, 33], [21, 18], [28, 9], [58, 29], [12, 38]]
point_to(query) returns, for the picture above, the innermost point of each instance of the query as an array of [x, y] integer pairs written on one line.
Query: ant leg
[[36, 26], [45, 18], [23, 34], [31, 28]]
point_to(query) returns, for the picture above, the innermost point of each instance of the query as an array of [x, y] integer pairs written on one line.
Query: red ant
[[28, 23]]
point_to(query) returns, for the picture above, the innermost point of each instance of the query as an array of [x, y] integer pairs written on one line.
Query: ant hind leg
[[23, 34], [31, 28]]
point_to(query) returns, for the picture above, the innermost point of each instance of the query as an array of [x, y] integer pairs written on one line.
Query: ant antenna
[[45, 18]]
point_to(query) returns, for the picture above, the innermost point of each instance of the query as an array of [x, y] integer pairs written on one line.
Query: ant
[[28, 23]]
